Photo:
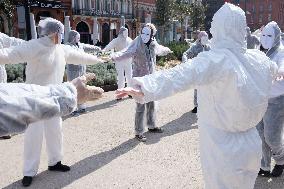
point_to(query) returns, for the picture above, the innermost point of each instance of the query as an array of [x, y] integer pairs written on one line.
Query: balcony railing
[[98, 13]]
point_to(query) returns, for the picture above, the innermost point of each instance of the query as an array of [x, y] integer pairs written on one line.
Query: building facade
[[83, 13], [260, 12], [108, 14]]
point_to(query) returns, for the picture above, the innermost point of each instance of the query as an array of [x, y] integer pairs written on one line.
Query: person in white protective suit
[[74, 71], [144, 50], [46, 59], [5, 42], [35, 103], [271, 128], [233, 84], [123, 68], [201, 44]]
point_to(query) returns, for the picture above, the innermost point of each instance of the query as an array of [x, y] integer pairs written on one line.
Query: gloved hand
[[106, 58], [84, 92], [120, 93]]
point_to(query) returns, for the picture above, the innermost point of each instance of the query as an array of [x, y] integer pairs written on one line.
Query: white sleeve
[[10, 41], [90, 48], [161, 50], [22, 104], [24, 52], [161, 84], [111, 45], [77, 57]]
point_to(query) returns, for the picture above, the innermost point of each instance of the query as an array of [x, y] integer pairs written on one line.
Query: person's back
[[239, 89]]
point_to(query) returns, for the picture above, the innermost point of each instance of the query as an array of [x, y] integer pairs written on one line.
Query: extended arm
[[90, 48], [77, 57], [22, 104], [23, 52], [201, 71], [161, 50], [10, 41]]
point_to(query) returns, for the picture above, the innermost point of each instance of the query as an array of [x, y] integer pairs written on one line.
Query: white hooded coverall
[[233, 84], [271, 128], [45, 65], [124, 66]]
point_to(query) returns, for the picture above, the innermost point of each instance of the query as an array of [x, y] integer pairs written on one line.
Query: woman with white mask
[[143, 50], [125, 66], [46, 59], [234, 85], [271, 128]]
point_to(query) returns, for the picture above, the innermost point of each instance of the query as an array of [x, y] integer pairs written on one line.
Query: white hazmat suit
[[271, 128], [45, 65], [125, 66], [233, 85]]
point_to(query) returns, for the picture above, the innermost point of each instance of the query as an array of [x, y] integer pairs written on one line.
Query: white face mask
[[267, 37], [77, 39], [125, 34], [204, 40], [146, 34]]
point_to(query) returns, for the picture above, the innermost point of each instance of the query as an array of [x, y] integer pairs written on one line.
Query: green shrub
[[105, 74], [15, 73], [178, 49]]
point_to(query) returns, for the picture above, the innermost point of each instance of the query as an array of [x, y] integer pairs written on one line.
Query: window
[[261, 8], [98, 5], [269, 17], [76, 4], [251, 19], [260, 18], [270, 7], [253, 9]]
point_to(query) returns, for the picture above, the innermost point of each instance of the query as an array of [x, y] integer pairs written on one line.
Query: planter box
[[107, 88]]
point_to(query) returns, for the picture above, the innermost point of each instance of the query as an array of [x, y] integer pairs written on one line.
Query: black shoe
[[59, 167], [141, 138], [277, 170], [130, 96], [194, 110], [75, 114], [6, 137], [81, 111], [155, 130], [264, 173], [27, 181], [118, 99]]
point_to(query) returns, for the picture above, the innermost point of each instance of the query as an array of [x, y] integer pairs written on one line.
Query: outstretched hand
[[120, 93], [85, 92]]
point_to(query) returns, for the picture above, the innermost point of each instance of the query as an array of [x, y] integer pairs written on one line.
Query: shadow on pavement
[[184, 123], [47, 179], [269, 183], [104, 105]]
